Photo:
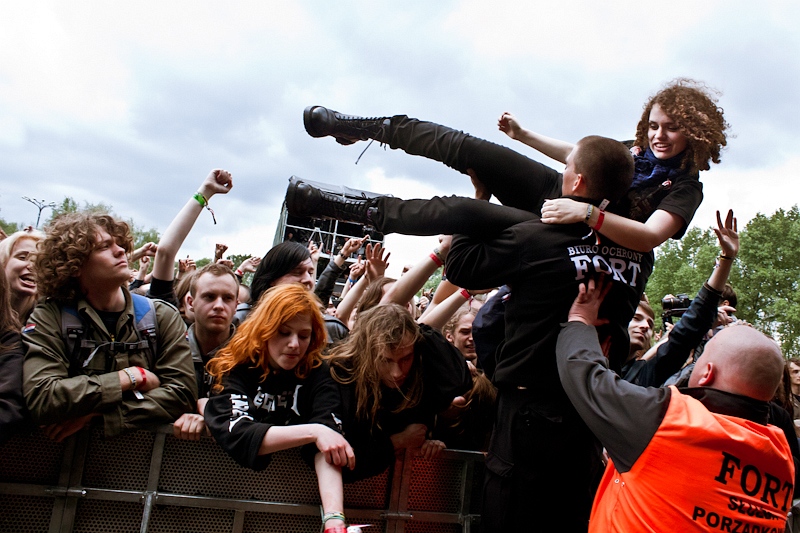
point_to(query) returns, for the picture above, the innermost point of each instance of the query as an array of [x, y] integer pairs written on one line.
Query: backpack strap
[[144, 311], [73, 332]]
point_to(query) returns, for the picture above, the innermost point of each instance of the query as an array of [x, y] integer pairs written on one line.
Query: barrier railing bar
[[466, 495], [238, 521], [396, 494], [148, 508], [152, 479], [57, 515], [30, 489], [207, 502], [75, 463]]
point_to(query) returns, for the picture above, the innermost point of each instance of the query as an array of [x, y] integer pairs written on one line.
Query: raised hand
[[148, 249], [727, 235], [352, 245], [508, 124], [377, 263], [587, 303], [219, 249], [250, 264], [218, 181], [357, 269], [315, 251]]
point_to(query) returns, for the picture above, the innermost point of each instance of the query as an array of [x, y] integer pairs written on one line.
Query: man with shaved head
[[702, 458]]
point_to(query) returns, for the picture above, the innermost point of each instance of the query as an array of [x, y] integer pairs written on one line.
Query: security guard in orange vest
[[702, 458]]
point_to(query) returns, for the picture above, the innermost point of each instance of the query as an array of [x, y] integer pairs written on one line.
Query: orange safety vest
[[701, 471]]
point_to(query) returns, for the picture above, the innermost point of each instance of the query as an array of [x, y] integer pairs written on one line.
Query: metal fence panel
[[151, 482]]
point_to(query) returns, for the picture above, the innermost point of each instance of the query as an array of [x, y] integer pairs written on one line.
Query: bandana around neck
[[650, 169]]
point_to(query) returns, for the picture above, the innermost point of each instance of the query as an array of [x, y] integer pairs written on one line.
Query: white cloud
[[131, 104]]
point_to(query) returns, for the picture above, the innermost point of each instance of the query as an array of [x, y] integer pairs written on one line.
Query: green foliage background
[[765, 275]]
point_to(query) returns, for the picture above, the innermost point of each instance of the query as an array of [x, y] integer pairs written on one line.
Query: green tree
[[67, 205], [9, 227], [765, 275], [767, 284], [432, 282]]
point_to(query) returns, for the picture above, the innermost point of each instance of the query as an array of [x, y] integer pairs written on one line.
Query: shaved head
[[740, 360]]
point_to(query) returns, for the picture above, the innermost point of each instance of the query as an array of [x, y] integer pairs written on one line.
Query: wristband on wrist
[[351, 281], [144, 376], [200, 199], [203, 201], [130, 377], [436, 259], [465, 293], [239, 272], [601, 217], [332, 516], [589, 211], [729, 258]]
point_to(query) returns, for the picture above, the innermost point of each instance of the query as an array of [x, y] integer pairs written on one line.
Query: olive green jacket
[[53, 395]]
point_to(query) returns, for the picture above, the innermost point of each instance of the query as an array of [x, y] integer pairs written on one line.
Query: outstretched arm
[[697, 320], [376, 264], [729, 249], [442, 313], [623, 416], [217, 181], [412, 281], [642, 237], [552, 148]]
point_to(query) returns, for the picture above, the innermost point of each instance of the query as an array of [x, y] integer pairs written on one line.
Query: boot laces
[[367, 147]]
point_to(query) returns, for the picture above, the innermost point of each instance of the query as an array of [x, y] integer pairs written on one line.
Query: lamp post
[[41, 205]]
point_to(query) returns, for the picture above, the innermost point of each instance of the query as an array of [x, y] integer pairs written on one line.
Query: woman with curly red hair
[[273, 392], [681, 132]]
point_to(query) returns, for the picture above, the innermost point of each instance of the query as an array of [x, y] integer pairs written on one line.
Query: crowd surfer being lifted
[[629, 210]]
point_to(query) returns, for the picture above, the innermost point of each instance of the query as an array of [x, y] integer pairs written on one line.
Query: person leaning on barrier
[[701, 458], [12, 403], [212, 299], [395, 376], [88, 352], [273, 392]]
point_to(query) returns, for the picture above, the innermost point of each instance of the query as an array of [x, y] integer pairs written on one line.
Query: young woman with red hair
[[273, 392]]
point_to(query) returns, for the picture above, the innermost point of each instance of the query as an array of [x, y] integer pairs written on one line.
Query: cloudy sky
[[131, 104]]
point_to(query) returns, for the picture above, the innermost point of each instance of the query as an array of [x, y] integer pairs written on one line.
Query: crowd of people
[[582, 412]]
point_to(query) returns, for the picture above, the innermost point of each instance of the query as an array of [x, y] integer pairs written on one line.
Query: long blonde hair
[[356, 360], [277, 306]]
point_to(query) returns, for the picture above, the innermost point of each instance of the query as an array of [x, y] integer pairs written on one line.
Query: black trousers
[[543, 467], [520, 183]]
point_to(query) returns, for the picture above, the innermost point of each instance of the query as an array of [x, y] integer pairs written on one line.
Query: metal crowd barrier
[[151, 482]]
